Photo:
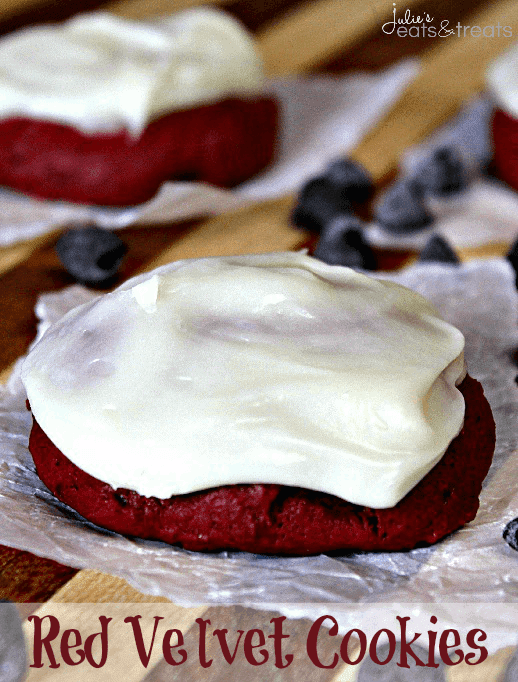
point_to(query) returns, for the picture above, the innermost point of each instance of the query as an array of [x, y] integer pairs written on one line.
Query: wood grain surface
[[295, 36]]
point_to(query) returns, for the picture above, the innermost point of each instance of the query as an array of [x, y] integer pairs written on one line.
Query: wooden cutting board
[[307, 35]]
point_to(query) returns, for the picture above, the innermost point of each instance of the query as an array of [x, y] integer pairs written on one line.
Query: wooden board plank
[[94, 586], [141, 9], [452, 72], [13, 7], [12, 256], [25, 578], [258, 228], [316, 31]]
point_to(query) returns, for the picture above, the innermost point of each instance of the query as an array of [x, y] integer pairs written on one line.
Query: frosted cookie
[[103, 110], [267, 403]]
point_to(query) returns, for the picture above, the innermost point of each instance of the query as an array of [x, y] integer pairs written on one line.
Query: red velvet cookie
[[505, 138], [223, 144], [274, 519]]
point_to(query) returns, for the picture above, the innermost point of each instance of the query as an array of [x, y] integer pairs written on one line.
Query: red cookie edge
[[274, 519]]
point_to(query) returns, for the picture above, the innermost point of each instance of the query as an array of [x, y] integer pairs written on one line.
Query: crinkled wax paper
[[472, 565], [321, 118]]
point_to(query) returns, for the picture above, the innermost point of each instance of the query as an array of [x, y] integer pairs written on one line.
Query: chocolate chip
[[402, 209], [91, 255], [511, 534], [437, 250]]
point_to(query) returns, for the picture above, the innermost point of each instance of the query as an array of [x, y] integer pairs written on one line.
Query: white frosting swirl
[[254, 369], [502, 79], [101, 73]]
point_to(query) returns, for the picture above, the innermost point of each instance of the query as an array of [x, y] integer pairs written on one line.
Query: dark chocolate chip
[[351, 179], [511, 534], [319, 201], [443, 173], [91, 255], [342, 243], [438, 250], [402, 209]]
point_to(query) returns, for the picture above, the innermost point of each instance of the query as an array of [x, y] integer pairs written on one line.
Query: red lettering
[[249, 647], [312, 640], [373, 648], [222, 636], [444, 646], [277, 637], [406, 647], [167, 647], [89, 642], [432, 636], [40, 642], [65, 647], [471, 642], [344, 647], [202, 652], [139, 640]]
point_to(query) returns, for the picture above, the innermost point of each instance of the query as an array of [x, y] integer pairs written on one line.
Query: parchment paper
[[473, 565], [321, 118]]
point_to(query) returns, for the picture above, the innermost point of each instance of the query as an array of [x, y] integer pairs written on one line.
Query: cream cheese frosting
[[502, 79], [272, 368], [101, 73]]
